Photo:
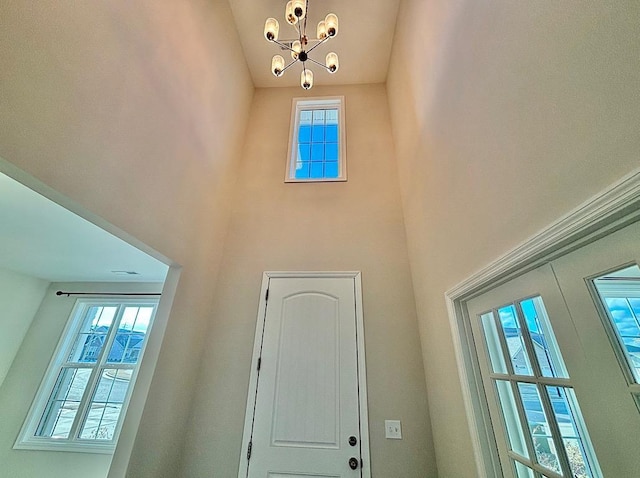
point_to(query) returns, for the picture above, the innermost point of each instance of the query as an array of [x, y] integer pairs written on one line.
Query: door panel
[[608, 401], [307, 373], [307, 403]]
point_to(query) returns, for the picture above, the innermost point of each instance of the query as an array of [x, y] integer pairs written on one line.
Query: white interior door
[[307, 415]]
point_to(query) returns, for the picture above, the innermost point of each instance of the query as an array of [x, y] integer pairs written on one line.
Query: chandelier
[[296, 15]]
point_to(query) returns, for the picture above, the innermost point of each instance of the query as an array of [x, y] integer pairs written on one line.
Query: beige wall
[[505, 116], [125, 109], [354, 225], [20, 297]]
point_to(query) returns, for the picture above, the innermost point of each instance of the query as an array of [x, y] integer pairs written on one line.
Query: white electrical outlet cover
[[393, 429]]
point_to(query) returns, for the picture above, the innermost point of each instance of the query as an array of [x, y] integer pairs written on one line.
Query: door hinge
[[259, 362], [266, 295], [249, 450]]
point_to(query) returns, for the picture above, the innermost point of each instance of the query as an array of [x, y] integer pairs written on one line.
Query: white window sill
[[48, 444]]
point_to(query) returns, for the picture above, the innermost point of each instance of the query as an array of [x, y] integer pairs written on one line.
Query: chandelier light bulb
[[331, 22], [296, 48], [332, 62], [277, 65], [322, 30], [271, 28], [306, 79], [299, 8], [289, 14]]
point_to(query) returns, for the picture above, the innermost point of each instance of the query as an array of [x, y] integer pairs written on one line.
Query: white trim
[[611, 209], [318, 103], [253, 378], [365, 453], [362, 376]]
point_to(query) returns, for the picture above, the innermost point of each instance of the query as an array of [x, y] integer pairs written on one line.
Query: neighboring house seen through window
[[83, 397]]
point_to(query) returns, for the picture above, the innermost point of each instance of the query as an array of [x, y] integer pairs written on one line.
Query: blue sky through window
[[318, 147]]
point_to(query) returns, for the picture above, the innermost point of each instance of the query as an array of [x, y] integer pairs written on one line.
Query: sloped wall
[[505, 116], [134, 111]]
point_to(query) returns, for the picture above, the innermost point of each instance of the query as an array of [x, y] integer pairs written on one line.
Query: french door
[[559, 355]]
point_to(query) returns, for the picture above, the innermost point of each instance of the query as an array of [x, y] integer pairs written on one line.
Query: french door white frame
[[362, 376], [604, 213]]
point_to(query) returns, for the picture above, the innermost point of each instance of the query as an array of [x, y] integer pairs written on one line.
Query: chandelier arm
[[298, 28], [318, 63], [290, 64], [318, 44]]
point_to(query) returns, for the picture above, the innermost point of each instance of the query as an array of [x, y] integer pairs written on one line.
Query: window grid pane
[[130, 335], [92, 334], [538, 425], [511, 419], [563, 402], [626, 322], [492, 341], [318, 144], [522, 471], [515, 342], [547, 352], [63, 404], [106, 404]]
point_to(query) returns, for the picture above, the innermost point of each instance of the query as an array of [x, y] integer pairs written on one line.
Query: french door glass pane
[[619, 292], [63, 403], [515, 342], [546, 350], [523, 471], [563, 402], [543, 442], [492, 340], [511, 419]]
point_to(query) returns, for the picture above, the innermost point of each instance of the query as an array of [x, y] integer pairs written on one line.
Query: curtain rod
[[69, 294]]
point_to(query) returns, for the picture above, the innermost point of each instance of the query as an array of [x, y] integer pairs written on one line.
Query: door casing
[[362, 380]]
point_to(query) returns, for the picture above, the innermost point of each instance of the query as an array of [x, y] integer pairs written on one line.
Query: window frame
[[325, 102], [620, 290], [27, 438]]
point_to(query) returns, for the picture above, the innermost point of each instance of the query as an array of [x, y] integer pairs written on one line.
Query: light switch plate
[[393, 429]]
